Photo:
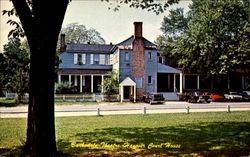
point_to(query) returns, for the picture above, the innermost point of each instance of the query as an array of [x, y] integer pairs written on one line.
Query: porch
[[92, 83], [169, 82]]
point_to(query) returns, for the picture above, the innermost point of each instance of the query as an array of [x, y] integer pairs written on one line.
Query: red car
[[215, 97]]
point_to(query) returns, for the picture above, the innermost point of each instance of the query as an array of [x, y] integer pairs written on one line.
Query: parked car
[[197, 97], [233, 96], [154, 98], [215, 97], [245, 96]]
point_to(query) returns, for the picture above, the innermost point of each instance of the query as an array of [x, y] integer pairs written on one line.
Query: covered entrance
[[169, 81], [127, 90]]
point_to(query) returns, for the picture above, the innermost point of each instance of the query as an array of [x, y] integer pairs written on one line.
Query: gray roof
[[129, 42], [162, 68], [100, 48]]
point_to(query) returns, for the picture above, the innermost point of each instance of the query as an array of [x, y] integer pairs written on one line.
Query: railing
[[86, 97]]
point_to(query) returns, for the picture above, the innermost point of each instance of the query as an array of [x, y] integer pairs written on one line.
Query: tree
[[211, 39], [15, 68], [79, 34], [111, 83], [41, 21]]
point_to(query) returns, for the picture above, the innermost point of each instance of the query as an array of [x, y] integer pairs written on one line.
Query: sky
[[113, 26]]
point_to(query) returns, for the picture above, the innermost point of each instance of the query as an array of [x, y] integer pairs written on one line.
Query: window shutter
[[102, 59], [91, 58], [75, 58], [83, 58]]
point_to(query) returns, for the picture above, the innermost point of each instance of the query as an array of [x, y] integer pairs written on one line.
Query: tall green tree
[[15, 68], [211, 39], [79, 34], [41, 21]]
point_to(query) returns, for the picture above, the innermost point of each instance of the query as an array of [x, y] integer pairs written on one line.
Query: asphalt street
[[129, 108]]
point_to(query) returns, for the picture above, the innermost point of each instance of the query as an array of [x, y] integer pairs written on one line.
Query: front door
[[126, 92]]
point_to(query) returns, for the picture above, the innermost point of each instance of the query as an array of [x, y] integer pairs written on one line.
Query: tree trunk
[[41, 125], [42, 25]]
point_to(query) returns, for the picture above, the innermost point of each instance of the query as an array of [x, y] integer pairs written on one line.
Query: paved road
[[127, 108]]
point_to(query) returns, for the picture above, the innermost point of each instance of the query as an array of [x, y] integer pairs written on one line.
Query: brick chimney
[[138, 67], [62, 43], [138, 29]]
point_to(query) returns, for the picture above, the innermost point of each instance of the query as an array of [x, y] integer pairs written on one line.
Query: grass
[[9, 103], [175, 134]]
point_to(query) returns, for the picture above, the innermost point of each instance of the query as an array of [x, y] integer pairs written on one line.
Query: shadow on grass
[[9, 104], [199, 139]]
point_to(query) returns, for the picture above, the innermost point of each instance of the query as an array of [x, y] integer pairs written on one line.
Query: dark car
[[154, 98], [197, 97], [245, 96]]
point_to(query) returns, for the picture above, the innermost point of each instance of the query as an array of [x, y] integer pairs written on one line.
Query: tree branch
[[25, 15]]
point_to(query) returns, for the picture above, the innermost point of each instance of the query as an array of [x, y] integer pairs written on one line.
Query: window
[[138, 82], [96, 59], [161, 59], [91, 58], [107, 60], [149, 56], [78, 59], [126, 56], [84, 58], [75, 58], [102, 59], [149, 80]]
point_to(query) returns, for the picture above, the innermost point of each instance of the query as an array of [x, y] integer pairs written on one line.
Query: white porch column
[[174, 82], [69, 79], [102, 82], [181, 83], [59, 78], [92, 83], [228, 82], [134, 93], [198, 81], [80, 83]]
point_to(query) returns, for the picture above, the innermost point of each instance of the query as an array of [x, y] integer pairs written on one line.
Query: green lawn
[[177, 134]]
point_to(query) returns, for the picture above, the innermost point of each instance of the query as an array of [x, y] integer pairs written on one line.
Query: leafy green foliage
[[14, 67], [79, 34], [111, 83], [149, 5], [212, 38], [65, 88]]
